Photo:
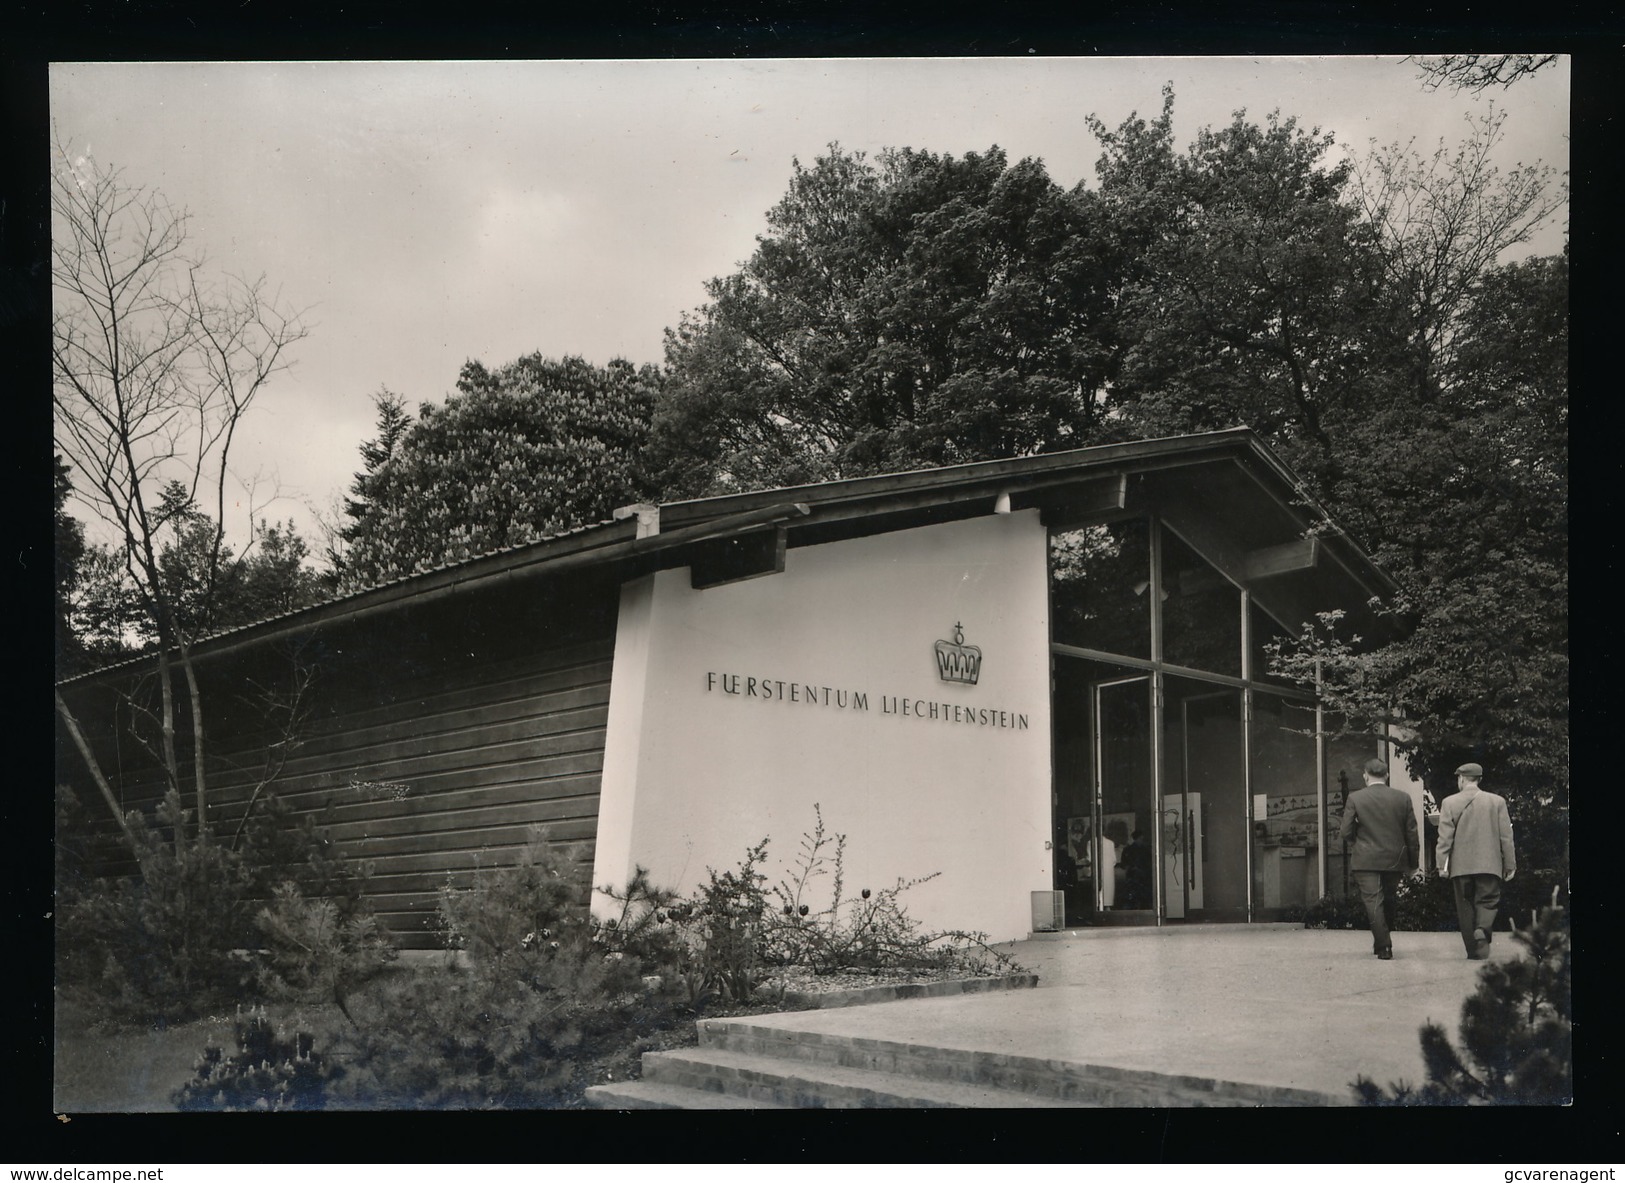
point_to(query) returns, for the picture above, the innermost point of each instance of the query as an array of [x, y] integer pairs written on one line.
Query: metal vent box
[[1049, 911]]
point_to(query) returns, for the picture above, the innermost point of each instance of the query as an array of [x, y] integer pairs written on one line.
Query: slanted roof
[[1225, 492]]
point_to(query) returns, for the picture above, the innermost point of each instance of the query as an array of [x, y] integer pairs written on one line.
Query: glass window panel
[[1264, 631], [1286, 834], [1201, 612], [1100, 578]]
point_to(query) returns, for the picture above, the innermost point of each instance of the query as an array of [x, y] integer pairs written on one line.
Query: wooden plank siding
[[435, 741]]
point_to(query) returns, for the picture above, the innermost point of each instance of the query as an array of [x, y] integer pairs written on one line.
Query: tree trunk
[[96, 771], [199, 780]]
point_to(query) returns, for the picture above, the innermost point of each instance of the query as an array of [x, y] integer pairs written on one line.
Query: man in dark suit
[[1136, 860], [1380, 826]]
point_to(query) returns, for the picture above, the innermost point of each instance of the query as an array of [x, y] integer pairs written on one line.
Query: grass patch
[[106, 1068], [100, 1068]]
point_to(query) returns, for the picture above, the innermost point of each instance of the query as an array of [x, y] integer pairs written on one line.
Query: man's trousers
[[1478, 898], [1379, 892]]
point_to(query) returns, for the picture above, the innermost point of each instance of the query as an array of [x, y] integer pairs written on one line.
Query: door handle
[[1190, 846]]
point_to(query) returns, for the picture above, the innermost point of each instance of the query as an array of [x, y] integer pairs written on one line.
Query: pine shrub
[[164, 946], [313, 953], [273, 911], [1516, 1032], [537, 991], [267, 1072], [279, 846]]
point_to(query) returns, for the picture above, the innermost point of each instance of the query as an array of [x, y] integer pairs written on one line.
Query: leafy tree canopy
[[533, 448], [1465, 501], [923, 309], [1247, 289], [1355, 315], [913, 310]]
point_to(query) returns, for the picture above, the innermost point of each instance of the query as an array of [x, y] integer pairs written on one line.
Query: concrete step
[[645, 1094], [803, 1084], [1040, 1081]]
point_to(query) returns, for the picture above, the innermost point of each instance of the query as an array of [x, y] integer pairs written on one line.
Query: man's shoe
[[1482, 953], [1385, 954]]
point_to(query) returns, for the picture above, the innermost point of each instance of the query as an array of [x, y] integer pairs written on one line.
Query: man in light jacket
[[1475, 851], [1380, 827]]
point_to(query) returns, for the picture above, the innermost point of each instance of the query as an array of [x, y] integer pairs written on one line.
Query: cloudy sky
[[428, 213]]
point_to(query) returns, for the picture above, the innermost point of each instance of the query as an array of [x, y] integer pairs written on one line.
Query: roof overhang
[[1224, 492]]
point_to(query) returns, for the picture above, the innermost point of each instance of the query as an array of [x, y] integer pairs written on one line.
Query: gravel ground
[[799, 979]]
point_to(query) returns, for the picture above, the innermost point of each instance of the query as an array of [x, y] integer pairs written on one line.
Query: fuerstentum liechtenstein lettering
[[901, 706]]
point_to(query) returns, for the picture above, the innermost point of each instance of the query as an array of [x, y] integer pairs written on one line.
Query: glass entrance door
[[1124, 808], [1204, 804], [1152, 814]]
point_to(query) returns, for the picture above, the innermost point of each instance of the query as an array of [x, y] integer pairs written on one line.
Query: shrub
[[450, 1038], [730, 912], [538, 991], [871, 931], [1516, 1031], [80, 846], [313, 953], [529, 922], [735, 931], [1426, 905], [652, 926], [1429, 905], [266, 1072], [206, 921], [535, 904], [164, 946], [1336, 912], [541, 991], [277, 846], [1532, 889]]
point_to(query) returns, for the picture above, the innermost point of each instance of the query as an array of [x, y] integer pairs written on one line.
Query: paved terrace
[[1277, 1006]]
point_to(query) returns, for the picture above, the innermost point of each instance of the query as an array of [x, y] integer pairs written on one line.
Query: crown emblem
[[957, 661]]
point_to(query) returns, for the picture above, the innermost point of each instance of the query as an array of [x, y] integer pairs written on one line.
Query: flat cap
[[1470, 770]]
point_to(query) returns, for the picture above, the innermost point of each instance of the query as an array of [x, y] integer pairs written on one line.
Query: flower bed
[[802, 989]]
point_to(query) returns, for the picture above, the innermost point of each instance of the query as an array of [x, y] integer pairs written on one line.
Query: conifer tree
[[1516, 1032]]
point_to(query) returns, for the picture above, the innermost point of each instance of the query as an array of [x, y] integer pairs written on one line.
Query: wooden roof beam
[[1301, 554], [746, 556], [1204, 531], [1075, 503]]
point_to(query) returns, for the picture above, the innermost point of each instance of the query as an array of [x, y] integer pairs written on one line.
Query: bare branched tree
[[1479, 71], [156, 362], [1442, 221], [285, 708]]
